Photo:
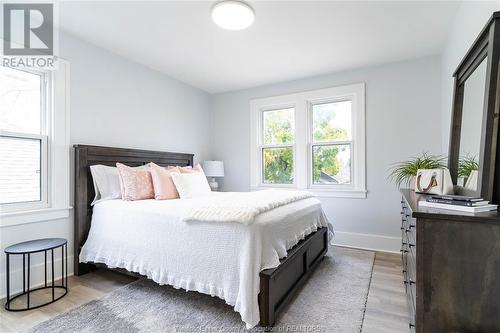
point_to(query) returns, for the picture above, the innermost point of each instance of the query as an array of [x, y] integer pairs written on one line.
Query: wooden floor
[[82, 289], [386, 308], [385, 311]]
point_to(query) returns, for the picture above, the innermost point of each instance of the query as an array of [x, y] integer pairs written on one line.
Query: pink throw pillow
[[162, 182], [196, 168], [135, 184]]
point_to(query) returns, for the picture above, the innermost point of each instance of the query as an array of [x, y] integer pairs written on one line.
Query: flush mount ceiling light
[[233, 15]]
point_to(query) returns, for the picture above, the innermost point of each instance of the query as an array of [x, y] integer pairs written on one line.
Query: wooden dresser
[[451, 268]]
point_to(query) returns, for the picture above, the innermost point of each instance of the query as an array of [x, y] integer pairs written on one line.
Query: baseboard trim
[[370, 242]]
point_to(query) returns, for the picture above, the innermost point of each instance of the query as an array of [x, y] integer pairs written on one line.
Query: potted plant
[[466, 165], [406, 171]]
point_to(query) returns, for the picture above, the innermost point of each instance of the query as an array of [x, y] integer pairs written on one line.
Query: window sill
[[322, 193], [354, 194], [33, 216]]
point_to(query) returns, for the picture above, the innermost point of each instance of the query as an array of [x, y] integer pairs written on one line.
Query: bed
[[255, 268]]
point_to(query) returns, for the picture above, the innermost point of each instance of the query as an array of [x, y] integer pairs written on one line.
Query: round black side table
[[26, 249]]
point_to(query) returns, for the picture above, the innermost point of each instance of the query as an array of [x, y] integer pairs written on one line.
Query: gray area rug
[[333, 300]]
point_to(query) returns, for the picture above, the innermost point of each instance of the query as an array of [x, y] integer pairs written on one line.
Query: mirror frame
[[486, 45]]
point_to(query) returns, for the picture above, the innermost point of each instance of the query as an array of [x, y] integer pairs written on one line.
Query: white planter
[[412, 183]]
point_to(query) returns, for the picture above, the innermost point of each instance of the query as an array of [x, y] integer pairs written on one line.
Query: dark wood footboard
[[278, 285]]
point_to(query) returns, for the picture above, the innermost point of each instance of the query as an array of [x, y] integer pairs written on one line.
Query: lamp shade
[[213, 168]]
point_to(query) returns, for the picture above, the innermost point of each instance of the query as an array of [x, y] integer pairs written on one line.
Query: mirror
[[474, 150], [474, 89]]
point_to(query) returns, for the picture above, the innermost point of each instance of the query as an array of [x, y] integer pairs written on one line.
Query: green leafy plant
[[466, 165], [403, 172]]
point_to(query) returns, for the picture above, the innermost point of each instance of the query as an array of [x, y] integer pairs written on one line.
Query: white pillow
[[107, 182], [191, 185]]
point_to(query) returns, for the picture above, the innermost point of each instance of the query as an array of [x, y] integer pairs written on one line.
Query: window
[[331, 143], [313, 140], [278, 130], [23, 138], [34, 144]]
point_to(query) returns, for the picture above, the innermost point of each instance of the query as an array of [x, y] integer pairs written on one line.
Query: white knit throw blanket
[[241, 207]]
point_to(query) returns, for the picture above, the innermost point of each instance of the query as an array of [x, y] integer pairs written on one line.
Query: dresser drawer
[[411, 245], [404, 218], [404, 257], [411, 301], [408, 258], [411, 310], [405, 268], [409, 238], [411, 269], [404, 239], [411, 230]]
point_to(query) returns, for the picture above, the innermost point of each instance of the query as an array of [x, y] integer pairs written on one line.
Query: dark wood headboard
[[85, 156]]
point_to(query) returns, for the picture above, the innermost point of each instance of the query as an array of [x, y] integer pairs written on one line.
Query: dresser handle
[[412, 226], [411, 282], [407, 215], [411, 325], [411, 245], [404, 251], [403, 271]]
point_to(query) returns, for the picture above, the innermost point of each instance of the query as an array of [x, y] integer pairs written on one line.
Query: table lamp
[[212, 170]]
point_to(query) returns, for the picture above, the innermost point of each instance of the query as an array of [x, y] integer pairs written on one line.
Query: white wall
[[116, 102], [403, 118], [471, 17]]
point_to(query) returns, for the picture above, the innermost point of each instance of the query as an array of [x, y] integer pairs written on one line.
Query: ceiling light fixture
[[233, 15]]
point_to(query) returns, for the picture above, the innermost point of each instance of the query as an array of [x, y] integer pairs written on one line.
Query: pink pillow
[[162, 182], [196, 168], [135, 184]]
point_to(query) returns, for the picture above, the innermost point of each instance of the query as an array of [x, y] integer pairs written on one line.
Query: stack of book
[[458, 202]]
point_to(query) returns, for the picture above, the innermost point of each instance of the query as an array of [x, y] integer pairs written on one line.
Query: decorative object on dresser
[[458, 200], [475, 117], [451, 265], [213, 169], [434, 181], [405, 173], [460, 203], [26, 249], [478, 209]]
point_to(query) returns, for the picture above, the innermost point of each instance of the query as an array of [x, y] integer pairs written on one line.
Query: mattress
[[220, 259]]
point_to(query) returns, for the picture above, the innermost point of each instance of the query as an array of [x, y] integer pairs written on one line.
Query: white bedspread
[[242, 207], [219, 259]]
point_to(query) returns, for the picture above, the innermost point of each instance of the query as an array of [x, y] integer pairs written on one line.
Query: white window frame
[[303, 103], [55, 127], [45, 124]]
